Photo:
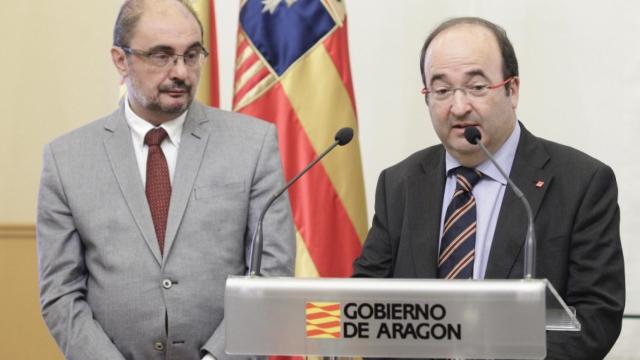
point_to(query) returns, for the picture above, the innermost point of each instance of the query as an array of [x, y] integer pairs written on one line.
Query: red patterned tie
[[158, 188]]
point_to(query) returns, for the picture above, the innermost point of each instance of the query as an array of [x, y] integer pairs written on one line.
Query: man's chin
[[462, 146], [175, 108], [464, 152]]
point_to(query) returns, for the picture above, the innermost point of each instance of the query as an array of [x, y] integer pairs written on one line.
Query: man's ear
[[120, 61], [514, 92]]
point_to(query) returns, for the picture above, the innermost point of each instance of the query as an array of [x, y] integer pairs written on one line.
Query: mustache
[[176, 86]]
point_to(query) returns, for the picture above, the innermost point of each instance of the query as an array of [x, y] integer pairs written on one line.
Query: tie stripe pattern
[[457, 247], [158, 185]]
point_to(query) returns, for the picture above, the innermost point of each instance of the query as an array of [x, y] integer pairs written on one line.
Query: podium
[[494, 319]]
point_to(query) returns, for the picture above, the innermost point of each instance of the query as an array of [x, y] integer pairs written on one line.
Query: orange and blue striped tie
[[457, 247]]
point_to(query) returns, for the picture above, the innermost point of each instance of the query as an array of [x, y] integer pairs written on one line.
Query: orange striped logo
[[323, 320]]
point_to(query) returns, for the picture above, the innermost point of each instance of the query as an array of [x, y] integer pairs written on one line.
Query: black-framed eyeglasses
[[161, 58]]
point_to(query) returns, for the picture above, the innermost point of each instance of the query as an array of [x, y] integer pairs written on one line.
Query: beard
[[156, 105], [176, 109]]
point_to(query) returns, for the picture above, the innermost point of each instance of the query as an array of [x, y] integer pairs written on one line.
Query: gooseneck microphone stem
[[472, 134], [306, 168], [343, 137]]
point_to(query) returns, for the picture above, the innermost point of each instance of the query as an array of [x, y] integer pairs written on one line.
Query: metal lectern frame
[[498, 319]]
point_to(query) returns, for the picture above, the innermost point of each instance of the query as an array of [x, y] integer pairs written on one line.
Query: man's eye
[[478, 87], [161, 56], [441, 91], [192, 54]]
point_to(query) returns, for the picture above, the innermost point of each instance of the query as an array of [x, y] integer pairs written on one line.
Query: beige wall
[[57, 75], [22, 330]]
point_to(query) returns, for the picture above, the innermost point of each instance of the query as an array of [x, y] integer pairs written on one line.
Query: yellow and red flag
[[208, 89], [292, 69]]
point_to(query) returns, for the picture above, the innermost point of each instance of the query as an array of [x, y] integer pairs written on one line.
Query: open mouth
[[462, 126]]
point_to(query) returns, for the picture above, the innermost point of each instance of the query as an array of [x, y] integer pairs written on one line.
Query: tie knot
[[155, 136], [467, 178]]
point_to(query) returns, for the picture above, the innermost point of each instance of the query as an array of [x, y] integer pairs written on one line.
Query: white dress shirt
[[139, 128]]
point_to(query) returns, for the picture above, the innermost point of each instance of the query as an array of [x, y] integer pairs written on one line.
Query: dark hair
[[129, 15], [509, 60]]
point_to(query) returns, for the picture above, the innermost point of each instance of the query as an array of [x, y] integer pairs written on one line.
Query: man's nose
[[179, 69], [460, 104]]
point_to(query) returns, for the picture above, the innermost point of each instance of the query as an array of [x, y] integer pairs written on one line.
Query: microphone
[[473, 136], [343, 137]]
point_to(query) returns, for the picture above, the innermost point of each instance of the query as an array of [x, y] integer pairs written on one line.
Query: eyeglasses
[[160, 58], [476, 90]]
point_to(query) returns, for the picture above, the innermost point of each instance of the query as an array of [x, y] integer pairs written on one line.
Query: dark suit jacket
[[576, 221]]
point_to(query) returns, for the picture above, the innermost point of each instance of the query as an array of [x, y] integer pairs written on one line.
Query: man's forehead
[[167, 24], [470, 74], [465, 50]]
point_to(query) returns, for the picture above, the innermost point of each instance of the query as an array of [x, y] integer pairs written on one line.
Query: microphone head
[[472, 134], [344, 135]]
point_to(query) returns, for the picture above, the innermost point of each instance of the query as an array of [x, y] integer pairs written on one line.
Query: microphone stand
[[343, 137], [474, 137]]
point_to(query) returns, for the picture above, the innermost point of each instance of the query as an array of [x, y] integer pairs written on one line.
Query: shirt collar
[[504, 157], [139, 126]]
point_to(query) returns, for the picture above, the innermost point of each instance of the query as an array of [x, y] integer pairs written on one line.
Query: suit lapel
[[424, 205], [119, 148], [192, 145], [529, 175]]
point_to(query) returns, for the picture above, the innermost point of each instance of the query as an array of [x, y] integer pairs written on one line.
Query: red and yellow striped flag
[[208, 89], [292, 68]]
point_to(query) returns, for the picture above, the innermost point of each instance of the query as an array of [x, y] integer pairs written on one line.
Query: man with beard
[[446, 211], [144, 213]]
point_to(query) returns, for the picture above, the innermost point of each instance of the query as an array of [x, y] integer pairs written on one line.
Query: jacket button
[[158, 345], [167, 284]]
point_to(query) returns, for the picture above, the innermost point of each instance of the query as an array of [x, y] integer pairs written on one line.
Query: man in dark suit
[[470, 74], [138, 232]]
